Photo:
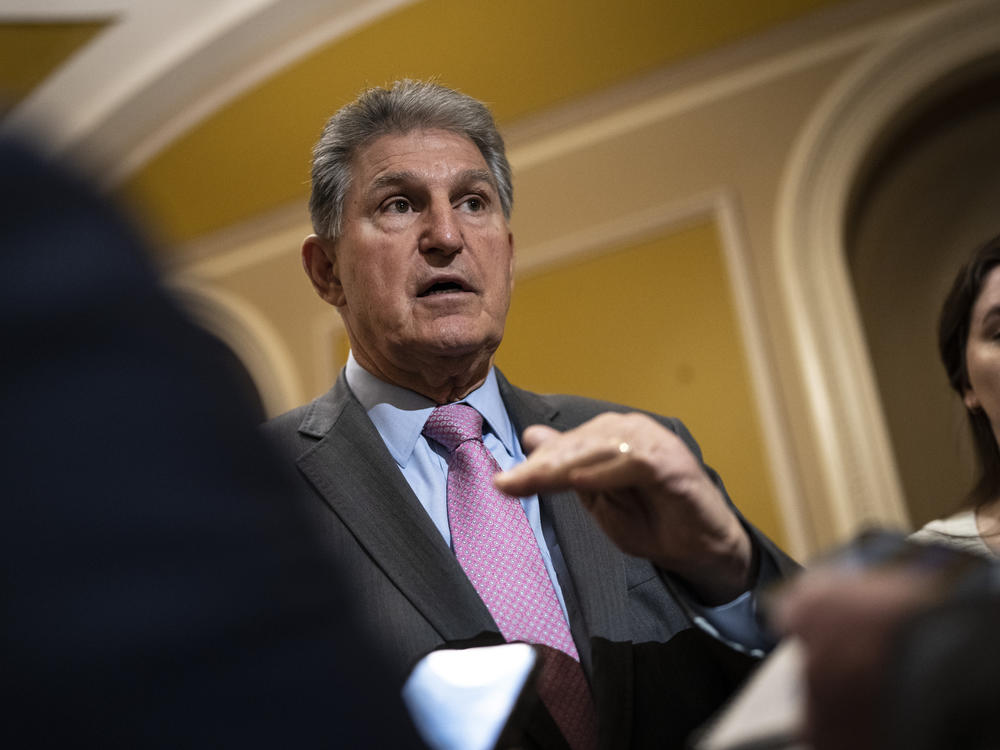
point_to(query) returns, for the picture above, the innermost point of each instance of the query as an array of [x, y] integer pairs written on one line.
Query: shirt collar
[[399, 414]]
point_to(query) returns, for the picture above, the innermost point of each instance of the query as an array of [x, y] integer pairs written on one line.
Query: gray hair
[[402, 107]]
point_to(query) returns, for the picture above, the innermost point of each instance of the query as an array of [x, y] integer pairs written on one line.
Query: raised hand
[[648, 492]]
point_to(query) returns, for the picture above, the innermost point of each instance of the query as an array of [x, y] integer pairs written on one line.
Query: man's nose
[[442, 232]]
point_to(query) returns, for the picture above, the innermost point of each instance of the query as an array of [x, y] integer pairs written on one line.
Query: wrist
[[726, 570]]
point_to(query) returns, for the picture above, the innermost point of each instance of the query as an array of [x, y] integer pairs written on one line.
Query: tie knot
[[453, 424]]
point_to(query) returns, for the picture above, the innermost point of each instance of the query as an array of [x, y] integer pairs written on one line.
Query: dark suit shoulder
[[282, 431], [565, 407], [566, 411], [286, 423], [305, 424], [292, 434], [583, 408]]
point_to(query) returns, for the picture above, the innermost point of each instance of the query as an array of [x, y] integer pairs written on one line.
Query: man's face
[[425, 257]]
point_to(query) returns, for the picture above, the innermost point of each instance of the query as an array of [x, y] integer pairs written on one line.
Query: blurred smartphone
[[465, 699]]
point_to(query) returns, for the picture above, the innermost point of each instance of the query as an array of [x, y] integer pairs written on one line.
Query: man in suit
[[160, 590], [411, 198]]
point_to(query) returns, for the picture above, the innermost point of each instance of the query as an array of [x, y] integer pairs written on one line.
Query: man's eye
[[475, 203], [398, 206]]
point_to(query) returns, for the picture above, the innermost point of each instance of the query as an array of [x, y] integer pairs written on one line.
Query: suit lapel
[[597, 570], [357, 477]]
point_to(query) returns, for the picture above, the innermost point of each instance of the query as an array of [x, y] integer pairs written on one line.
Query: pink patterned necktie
[[499, 553]]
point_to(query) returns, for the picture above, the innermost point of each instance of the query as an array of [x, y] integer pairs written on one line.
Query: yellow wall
[[519, 56], [651, 325]]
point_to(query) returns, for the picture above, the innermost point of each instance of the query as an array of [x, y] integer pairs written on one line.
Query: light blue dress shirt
[[399, 416]]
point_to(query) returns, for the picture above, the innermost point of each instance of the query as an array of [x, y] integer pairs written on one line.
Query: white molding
[[161, 68], [664, 105], [251, 337], [351, 15], [248, 244], [763, 378], [143, 43], [858, 470], [15, 11]]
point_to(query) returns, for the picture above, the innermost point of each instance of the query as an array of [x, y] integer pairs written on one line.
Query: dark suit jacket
[[159, 588], [654, 676]]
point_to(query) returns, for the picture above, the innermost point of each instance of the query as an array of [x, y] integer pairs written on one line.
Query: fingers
[[598, 455], [556, 465], [617, 471]]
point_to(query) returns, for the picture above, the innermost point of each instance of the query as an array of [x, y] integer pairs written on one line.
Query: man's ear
[[319, 259]]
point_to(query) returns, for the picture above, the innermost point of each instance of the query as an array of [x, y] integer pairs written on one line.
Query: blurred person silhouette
[[900, 656], [160, 588], [907, 656]]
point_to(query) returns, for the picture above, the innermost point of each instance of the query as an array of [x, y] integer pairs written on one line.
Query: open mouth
[[443, 287]]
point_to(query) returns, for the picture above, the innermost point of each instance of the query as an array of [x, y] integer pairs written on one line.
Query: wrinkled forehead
[[418, 153]]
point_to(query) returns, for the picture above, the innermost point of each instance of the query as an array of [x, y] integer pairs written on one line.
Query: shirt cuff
[[735, 623]]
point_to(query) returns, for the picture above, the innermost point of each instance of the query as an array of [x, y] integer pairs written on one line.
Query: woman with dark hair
[[969, 343]]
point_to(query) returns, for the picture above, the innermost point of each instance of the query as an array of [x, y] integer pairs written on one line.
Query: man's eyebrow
[[391, 179], [477, 175]]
